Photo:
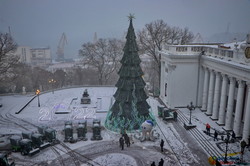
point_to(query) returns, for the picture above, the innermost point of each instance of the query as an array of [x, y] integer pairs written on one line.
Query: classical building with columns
[[215, 77]]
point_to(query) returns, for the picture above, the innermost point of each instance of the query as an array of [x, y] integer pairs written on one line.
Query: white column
[[223, 99], [163, 80], [230, 105], [205, 89], [216, 96], [210, 94], [239, 106], [246, 128]]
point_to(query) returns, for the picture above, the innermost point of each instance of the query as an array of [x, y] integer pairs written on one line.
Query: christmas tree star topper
[[131, 16]]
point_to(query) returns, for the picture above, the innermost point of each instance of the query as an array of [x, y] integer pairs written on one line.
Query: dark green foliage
[[130, 109]]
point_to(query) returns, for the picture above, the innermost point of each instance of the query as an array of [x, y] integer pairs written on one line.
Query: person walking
[[243, 144], [215, 135], [208, 128], [175, 115], [233, 136], [161, 162], [127, 140], [121, 143], [217, 163], [153, 164], [162, 144], [228, 136]]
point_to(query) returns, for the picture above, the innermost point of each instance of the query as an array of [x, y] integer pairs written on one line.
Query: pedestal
[[188, 126]]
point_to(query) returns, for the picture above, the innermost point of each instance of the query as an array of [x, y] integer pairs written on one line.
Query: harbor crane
[[60, 48]]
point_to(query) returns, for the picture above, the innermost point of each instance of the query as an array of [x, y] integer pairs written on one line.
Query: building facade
[[24, 54], [216, 78], [36, 57], [41, 57]]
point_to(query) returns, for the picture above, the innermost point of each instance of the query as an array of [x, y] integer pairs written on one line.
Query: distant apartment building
[[24, 53], [41, 57], [36, 57]]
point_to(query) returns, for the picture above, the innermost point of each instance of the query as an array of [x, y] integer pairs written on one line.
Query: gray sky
[[40, 23]]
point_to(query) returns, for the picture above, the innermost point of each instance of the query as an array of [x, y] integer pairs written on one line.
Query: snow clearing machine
[[6, 160]]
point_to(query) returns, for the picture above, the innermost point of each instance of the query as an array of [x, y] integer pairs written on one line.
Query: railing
[[188, 50]]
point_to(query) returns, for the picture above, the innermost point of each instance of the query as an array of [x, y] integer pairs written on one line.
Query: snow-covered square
[[182, 147]]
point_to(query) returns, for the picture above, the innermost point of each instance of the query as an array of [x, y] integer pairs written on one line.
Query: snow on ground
[[180, 148], [114, 160]]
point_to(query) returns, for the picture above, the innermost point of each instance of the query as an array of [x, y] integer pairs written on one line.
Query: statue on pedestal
[[23, 90], [85, 97]]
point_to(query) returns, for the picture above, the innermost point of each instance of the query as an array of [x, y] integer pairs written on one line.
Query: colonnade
[[218, 101]]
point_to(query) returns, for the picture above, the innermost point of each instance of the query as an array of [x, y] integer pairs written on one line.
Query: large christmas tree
[[130, 109]]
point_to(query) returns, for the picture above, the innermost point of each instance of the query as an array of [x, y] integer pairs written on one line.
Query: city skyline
[[41, 23]]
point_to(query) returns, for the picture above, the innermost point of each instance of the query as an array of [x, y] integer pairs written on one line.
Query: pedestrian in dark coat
[[243, 144], [162, 144], [175, 115], [228, 136], [215, 135], [127, 140], [161, 162], [153, 164], [121, 143], [217, 163], [233, 135]]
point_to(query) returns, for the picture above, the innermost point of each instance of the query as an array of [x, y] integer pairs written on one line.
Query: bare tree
[[175, 35], [155, 35], [103, 56], [60, 77], [186, 36], [152, 38], [7, 58], [23, 78], [40, 79]]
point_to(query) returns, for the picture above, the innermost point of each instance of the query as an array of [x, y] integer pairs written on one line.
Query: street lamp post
[[37, 93], [52, 81], [190, 107]]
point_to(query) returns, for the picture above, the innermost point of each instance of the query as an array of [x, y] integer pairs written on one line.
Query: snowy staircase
[[199, 137]]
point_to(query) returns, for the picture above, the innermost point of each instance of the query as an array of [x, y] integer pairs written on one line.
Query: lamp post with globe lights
[[52, 82], [190, 125], [190, 107]]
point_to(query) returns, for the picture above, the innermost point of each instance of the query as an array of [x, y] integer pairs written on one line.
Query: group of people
[[233, 136], [124, 140], [161, 162]]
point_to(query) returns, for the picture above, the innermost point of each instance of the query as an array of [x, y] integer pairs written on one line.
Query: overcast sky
[[40, 23]]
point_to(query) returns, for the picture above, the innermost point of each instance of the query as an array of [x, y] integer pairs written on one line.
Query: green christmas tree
[[130, 109]]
